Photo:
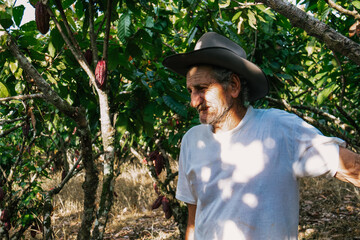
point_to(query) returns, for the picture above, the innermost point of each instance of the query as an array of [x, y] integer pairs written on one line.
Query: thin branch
[[67, 27], [8, 131], [343, 80], [22, 97], [100, 27], [324, 114], [246, 5], [7, 121], [339, 8], [17, 162], [314, 27], [58, 188], [355, 143], [78, 55], [92, 34], [107, 29], [348, 117], [255, 43]]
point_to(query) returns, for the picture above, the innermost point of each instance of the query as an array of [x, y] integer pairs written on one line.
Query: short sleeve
[[315, 154], [184, 191]]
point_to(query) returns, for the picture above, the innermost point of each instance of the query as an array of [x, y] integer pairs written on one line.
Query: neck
[[230, 120]]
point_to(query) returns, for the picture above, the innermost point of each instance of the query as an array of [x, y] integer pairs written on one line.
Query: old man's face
[[209, 97]]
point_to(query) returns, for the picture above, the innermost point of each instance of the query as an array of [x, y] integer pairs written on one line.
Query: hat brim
[[222, 57]]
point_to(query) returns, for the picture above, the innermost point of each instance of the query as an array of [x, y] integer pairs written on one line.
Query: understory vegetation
[[329, 209]]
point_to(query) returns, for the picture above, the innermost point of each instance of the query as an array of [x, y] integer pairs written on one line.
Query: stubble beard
[[217, 117]]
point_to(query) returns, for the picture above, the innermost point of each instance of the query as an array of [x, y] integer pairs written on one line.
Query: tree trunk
[[79, 116]]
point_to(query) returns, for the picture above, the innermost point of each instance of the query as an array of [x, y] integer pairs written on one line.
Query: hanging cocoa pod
[[156, 188], [88, 56], [2, 194], [157, 203], [159, 164], [153, 155], [101, 73], [42, 17], [4, 215], [166, 207]]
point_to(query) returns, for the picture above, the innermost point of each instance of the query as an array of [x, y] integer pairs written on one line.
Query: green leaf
[[56, 39], [324, 94], [5, 17], [252, 19], [51, 49], [310, 46], [3, 91], [356, 4], [67, 3], [124, 29], [13, 66], [236, 16], [18, 13], [175, 106], [224, 3]]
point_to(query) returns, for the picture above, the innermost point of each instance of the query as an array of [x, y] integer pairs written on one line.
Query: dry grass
[[131, 216], [329, 209]]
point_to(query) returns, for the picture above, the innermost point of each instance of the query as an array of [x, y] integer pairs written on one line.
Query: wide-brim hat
[[217, 50]]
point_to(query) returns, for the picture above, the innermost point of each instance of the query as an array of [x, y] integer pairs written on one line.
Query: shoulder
[[196, 131], [277, 116]]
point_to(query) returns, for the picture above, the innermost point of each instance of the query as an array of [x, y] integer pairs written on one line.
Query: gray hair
[[223, 76]]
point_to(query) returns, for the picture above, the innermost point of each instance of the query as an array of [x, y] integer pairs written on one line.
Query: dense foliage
[[142, 109]]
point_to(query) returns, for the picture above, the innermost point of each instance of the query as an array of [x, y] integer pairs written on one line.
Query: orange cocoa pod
[[42, 17], [100, 73]]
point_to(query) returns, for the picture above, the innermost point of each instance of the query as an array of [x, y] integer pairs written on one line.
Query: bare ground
[[329, 209]]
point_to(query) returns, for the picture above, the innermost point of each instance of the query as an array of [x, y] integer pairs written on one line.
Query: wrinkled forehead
[[198, 75]]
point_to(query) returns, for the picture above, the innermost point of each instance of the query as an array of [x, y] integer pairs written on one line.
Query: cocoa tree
[[54, 108]]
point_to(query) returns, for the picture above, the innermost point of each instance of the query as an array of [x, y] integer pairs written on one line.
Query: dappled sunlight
[[245, 181], [255, 161], [231, 231], [250, 200]]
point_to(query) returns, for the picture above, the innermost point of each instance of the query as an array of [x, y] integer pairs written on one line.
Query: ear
[[235, 85]]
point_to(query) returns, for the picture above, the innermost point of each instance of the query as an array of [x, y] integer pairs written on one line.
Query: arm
[[349, 167], [190, 229]]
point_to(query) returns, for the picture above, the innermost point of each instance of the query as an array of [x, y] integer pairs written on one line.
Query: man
[[238, 170]]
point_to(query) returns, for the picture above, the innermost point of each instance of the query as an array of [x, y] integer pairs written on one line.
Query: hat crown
[[214, 40]]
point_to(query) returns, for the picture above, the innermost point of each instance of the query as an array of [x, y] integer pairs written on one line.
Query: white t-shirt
[[244, 181]]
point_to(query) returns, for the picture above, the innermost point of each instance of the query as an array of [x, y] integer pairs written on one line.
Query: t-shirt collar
[[248, 114]]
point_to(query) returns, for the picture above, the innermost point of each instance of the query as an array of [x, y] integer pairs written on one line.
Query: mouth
[[202, 109]]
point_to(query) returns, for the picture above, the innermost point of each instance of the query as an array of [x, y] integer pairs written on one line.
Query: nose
[[196, 99]]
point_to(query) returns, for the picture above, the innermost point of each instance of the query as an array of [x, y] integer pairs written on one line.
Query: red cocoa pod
[[2, 194], [157, 203], [153, 155], [166, 207], [88, 56], [42, 17], [4, 215], [159, 164], [7, 225], [101, 73], [156, 189]]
